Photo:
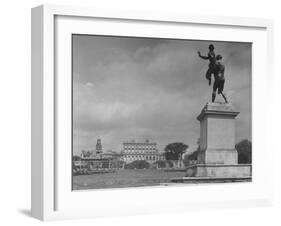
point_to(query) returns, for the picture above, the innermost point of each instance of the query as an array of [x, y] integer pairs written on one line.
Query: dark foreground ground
[[124, 178]]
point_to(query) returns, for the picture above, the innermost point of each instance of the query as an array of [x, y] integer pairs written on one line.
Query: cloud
[[132, 88]]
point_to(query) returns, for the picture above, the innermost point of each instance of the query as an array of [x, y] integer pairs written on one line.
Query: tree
[[86, 154], [174, 151], [192, 157], [244, 149], [76, 158]]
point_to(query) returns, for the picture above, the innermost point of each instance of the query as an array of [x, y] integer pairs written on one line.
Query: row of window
[[140, 152], [139, 158], [140, 146]]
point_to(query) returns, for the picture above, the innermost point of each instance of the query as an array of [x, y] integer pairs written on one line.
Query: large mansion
[[147, 151]]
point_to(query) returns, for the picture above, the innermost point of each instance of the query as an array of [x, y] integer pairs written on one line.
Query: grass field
[[124, 178]]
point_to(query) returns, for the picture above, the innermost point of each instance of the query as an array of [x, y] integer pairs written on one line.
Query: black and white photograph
[[121, 113], [160, 112]]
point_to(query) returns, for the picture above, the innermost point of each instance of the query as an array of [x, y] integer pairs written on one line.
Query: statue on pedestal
[[217, 69], [217, 157]]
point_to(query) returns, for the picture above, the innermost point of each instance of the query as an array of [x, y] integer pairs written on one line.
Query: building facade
[[94, 159], [147, 151]]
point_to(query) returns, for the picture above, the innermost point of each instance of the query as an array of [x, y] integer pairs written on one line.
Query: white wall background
[[15, 111]]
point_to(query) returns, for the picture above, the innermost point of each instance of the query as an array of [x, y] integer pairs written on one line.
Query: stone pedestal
[[217, 134], [218, 157]]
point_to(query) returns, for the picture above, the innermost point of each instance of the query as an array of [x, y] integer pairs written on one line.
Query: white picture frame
[[52, 198]]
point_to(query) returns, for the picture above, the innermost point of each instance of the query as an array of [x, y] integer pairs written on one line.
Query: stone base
[[218, 156], [219, 171]]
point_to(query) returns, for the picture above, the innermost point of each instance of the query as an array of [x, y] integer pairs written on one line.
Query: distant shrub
[[170, 163], [161, 164], [191, 158], [76, 158], [116, 164], [105, 164], [193, 155], [138, 164], [244, 149]]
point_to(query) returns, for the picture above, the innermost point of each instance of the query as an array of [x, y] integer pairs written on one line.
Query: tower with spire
[[98, 146]]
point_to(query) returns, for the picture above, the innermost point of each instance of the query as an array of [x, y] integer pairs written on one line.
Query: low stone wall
[[216, 170]]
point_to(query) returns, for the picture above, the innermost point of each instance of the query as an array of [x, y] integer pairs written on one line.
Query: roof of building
[[140, 143]]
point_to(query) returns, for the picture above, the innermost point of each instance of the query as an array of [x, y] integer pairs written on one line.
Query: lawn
[[124, 178]]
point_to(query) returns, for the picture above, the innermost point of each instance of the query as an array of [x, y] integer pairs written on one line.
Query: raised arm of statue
[[203, 57]]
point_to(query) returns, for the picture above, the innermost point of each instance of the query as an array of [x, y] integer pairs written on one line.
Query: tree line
[[175, 151]]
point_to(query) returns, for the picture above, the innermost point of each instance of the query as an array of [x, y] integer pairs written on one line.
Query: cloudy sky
[[143, 88]]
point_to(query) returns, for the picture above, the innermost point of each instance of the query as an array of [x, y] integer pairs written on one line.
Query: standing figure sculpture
[[212, 59], [219, 79]]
